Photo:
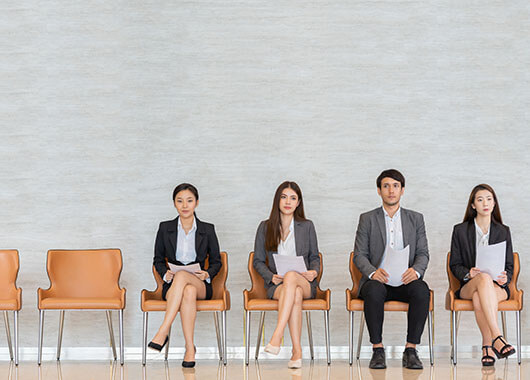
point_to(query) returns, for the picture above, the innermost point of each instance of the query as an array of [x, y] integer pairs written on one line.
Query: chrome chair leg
[[247, 336], [350, 338], [260, 333], [223, 322], [122, 348], [518, 332], [360, 339], [15, 322], [431, 355], [454, 317], [60, 335], [166, 354], [41, 328], [8, 335], [326, 327], [144, 339], [218, 334], [504, 330], [310, 334], [111, 333]]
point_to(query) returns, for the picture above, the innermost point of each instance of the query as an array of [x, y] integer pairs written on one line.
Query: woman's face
[[288, 201], [483, 203], [185, 203]]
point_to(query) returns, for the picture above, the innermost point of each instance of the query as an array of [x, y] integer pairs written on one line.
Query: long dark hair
[[471, 213], [274, 231]]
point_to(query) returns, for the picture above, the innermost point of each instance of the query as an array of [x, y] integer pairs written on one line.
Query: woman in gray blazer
[[287, 232]]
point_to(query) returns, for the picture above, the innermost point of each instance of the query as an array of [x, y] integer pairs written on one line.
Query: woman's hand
[[473, 272], [310, 275], [202, 275], [169, 275], [502, 279], [277, 279]]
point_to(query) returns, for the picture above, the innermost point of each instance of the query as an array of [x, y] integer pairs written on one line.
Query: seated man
[[392, 227]]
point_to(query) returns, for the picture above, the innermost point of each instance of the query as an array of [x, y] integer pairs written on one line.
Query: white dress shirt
[[482, 238], [185, 251], [288, 247]]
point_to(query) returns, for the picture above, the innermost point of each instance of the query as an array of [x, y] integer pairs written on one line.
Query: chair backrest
[[9, 265], [218, 282], [454, 284], [258, 291], [84, 273], [356, 276]]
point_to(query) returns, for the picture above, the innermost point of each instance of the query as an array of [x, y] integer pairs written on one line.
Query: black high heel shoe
[[186, 364], [156, 346]]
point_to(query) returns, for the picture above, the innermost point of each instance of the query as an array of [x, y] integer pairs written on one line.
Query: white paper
[[286, 264], [188, 268], [395, 264], [491, 259]]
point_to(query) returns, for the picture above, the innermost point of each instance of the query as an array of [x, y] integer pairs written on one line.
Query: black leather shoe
[[186, 364], [156, 346], [378, 360], [411, 359]]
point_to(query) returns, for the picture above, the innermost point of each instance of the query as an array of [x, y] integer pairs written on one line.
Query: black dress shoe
[[378, 360], [156, 346], [186, 364], [411, 359]]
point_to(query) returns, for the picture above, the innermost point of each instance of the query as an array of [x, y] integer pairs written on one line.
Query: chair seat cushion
[[80, 303], [358, 305], [9, 304], [264, 304], [467, 305], [202, 305]]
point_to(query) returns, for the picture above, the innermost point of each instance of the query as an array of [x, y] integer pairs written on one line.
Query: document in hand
[[286, 264], [395, 264], [188, 268], [491, 259]]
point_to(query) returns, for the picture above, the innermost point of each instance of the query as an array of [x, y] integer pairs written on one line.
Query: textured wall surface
[[106, 106]]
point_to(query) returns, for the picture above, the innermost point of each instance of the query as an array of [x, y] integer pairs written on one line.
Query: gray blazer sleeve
[[421, 257], [362, 246], [314, 259], [260, 255]]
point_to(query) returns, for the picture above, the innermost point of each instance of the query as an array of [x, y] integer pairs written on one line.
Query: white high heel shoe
[[295, 363], [275, 350]]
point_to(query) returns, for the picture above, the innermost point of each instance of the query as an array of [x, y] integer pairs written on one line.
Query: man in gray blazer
[[391, 226]]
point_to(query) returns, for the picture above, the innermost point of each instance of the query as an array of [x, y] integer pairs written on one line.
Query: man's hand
[[380, 275], [409, 276]]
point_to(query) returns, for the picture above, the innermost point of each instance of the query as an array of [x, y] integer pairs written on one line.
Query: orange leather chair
[[83, 280], [456, 305], [219, 304], [355, 304], [256, 299], [10, 295]]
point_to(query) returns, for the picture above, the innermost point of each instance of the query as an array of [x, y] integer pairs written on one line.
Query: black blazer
[[206, 246], [464, 246]]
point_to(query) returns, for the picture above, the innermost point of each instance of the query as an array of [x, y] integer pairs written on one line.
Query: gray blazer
[[370, 241], [306, 245]]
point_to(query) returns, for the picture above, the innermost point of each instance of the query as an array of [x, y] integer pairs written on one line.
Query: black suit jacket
[[464, 248], [206, 246]]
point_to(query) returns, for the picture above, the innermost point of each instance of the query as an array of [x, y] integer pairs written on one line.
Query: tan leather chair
[[219, 304], [456, 305], [256, 299], [83, 280], [355, 304], [10, 295]]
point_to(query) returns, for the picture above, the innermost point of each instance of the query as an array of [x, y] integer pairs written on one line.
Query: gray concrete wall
[[106, 106]]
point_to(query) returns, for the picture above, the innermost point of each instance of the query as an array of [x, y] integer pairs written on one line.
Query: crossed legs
[[182, 296], [290, 295]]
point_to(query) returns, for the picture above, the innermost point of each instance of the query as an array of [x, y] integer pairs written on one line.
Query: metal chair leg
[[360, 340], [167, 344], [218, 334], [8, 335], [223, 322], [260, 333], [518, 332], [350, 338], [504, 330], [60, 335], [454, 317], [111, 333], [144, 340], [431, 355], [15, 322], [41, 328], [247, 336], [326, 325], [122, 348], [310, 334]]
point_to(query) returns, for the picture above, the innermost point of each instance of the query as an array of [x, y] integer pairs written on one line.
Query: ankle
[[378, 345], [410, 345]]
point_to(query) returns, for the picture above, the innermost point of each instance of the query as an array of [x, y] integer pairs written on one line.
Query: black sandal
[[502, 354], [487, 360]]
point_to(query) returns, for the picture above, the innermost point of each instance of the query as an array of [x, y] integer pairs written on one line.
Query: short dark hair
[[390, 173], [186, 186]]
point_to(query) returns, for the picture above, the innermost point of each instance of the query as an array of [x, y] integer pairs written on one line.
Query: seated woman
[[482, 226], [287, 232], [181, 241]]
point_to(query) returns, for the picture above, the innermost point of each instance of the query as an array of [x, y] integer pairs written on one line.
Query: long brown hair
[[471, 213], [274, 229]]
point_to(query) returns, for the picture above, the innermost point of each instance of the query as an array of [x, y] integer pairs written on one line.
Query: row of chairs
[[89, 280]]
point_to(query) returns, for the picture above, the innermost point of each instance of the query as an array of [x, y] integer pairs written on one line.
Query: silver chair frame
[[12, 354]]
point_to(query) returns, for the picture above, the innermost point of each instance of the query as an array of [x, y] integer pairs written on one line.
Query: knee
[[179, 278], [374, 290], [189, 293], [290, 278], [484, 279], [419, 290]]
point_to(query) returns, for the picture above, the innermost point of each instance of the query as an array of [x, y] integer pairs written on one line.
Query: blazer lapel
[[173, 231], [494, 233], [472, 238], [298, 238], [199, 235], [406, 229], [380, 216]]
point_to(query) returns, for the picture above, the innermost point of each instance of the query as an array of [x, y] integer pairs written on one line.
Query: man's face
[[390, 191]]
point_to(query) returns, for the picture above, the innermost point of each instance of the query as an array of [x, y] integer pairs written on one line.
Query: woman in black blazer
[[482, 225], [181, 241], [287, 232]]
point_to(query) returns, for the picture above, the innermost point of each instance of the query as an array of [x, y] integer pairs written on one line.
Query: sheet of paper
[[192, 268], [395, 264], [285, 264], [490, 259]]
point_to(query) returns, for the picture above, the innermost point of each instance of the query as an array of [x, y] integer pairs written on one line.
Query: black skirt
[[505, 287], [167, 285]]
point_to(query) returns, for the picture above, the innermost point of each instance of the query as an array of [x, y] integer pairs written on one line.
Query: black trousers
[[416, 294]]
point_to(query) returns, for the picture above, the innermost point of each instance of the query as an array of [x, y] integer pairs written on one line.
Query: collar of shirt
[[193, 228], [482, 238], [396, 216]]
